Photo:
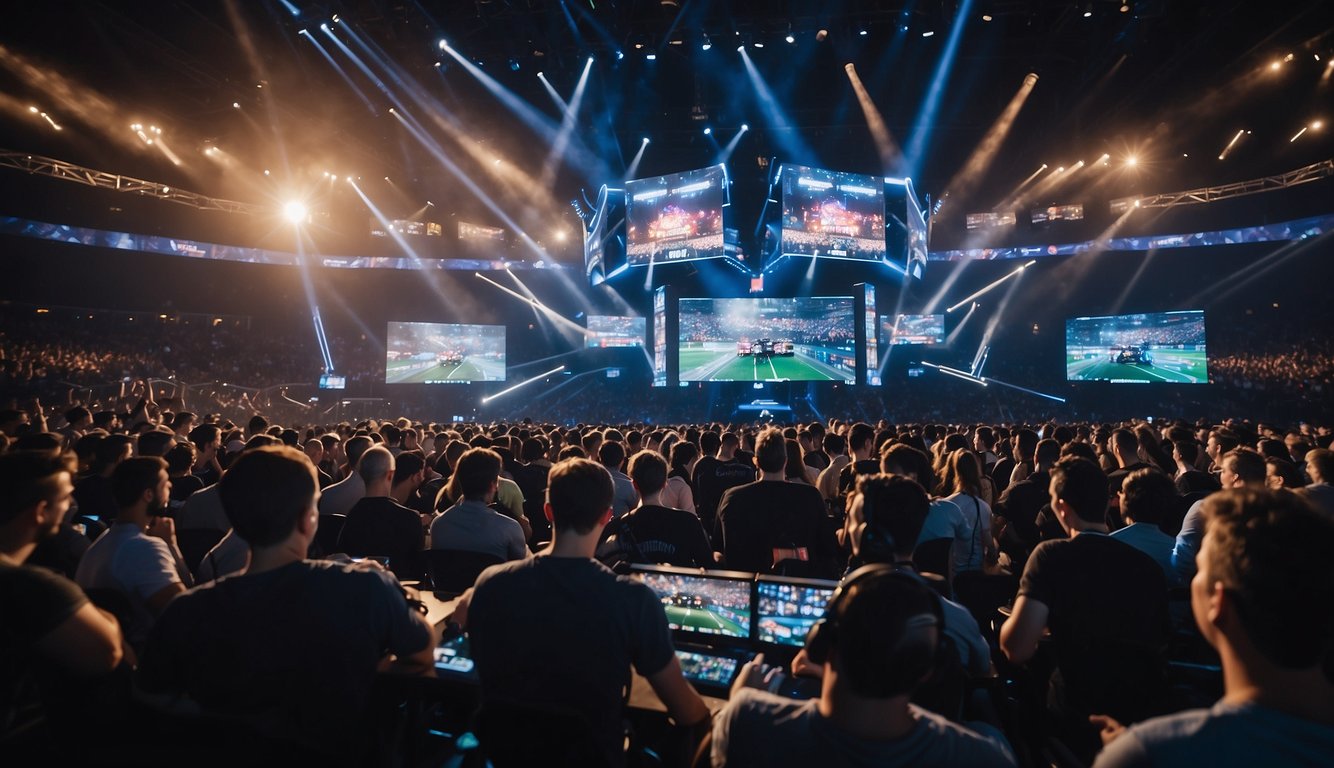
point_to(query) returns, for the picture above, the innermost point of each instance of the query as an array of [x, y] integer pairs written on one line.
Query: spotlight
[[708, 131], [236, 105], [1132, 161], [651, 56], [1087, 14], [861, 33], [336, 19], [758, 44], [1031, 79], [645, 139], [1276, 65], [929, 33], [444, 44], [706, 45], [1317, 125], [32, 110], [266, 171], [741, 49], [821, 35], [790, 38], [986, 17], [746, 127], [1125, 8], [514, 65]]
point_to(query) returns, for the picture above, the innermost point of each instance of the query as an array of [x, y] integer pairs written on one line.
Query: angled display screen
[[605, 331], [1162, 347], [829, 214], [675, 218]]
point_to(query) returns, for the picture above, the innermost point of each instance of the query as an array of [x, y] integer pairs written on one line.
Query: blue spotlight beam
[[726, 153], [567, 124], [508, 390], [346, 79], [787, 138], [639, 156], [926, 118], [548, 311]]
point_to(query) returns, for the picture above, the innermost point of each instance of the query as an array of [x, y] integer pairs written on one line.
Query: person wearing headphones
[[876, 643]]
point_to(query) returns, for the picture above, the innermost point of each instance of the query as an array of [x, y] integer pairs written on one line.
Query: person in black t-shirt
[[652, 533], [712, 479], [1020, 503], [1105, 603], [47, 622], [593, 624], [861, 446], [379, 526], [771, 520]]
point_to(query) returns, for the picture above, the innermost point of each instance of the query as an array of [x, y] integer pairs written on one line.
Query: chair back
[[522, 735], [453, 571], [195, 543], [326, 535]]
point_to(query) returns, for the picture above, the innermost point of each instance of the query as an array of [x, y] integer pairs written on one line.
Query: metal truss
[[59, 169], [1313, 172]]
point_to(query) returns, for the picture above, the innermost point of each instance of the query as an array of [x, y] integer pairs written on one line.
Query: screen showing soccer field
[[913, 329], [807, 338], [786, 612], [1161, 347], [703, 604], [675, 218], [609, 331], [832, 215], [444, 353]]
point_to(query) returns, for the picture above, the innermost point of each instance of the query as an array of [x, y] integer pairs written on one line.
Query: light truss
[[59, 169], [1313, 172]]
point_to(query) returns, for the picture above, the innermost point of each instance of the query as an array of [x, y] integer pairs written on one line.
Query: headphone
[[911, 658]]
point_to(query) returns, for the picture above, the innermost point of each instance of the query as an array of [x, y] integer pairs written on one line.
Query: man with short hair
[[1273, 640], [876, 645], [138, 556], [771, 520], [291, 647], [470, 524], [1105, 603], [1320, 468], [1238, 468], [594, 625], [652, 533], [409, 474], [836, 446], [1186, 454], [612, 454], [1147, 498], [1125, 448], [379, 526], [1021, 502], [862, 455], [339, 498], [713, 479], [49, 624]]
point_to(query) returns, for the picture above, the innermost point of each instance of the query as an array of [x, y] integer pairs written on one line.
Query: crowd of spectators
[[1092, 579]]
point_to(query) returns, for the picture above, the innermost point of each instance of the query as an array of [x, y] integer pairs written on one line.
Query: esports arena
[[658, 212]]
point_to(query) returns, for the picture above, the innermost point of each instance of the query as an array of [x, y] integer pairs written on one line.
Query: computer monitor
[[787, 608], [702, 605]]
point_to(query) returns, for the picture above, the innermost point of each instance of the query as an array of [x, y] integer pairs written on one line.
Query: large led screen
[[660, 337], [444, 353], [830, 214], [808, 338], [913, 329], [1165, 347], [675, 218], [606, 331]]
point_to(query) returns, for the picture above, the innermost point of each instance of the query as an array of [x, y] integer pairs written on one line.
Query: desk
[[438, 609]]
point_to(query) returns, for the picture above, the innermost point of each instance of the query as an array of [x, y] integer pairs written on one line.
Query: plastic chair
[[453, 571]]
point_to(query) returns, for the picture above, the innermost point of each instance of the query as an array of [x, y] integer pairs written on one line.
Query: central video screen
[[675, 218], [807, 338], [610, 331], [1162, 347], [702, 604], [833, 215], [913, 329], [444, 353]]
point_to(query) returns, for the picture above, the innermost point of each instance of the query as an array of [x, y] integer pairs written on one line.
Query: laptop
[[709, 613], [785, 610]]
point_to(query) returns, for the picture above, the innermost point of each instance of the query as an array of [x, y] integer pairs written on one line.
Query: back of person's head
[[1026, 442], [1079, 450], [571, 452], [1083, 486], [204, 435], [880, 633], [180, 458], [256, 425], [1047, 452], [290, 437], [1246, 464], [966, 472], [1148, 496], [893, 510], [408, 464], [155, 442], [134, 476], [580, 494], [110, 450], [265, 492], [355, 446], [649, 471], [1270, 551], [1225, 438], [771, 450], [611, 454], [901, 459], [533, 450], [476, 472], [834, 444], [38, 441], [729, 441], [375, 463], [683, 452], [986, 436], [859, 435], [182, 420], [28, 478], [78, 415], [1188, 450], [1125, 443], [709, 442]]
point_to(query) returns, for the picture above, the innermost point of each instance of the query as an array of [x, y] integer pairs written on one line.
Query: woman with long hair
[[677, 493], [976, 546]]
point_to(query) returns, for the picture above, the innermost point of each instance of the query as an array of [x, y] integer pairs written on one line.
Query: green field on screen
[[1170, 366]]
